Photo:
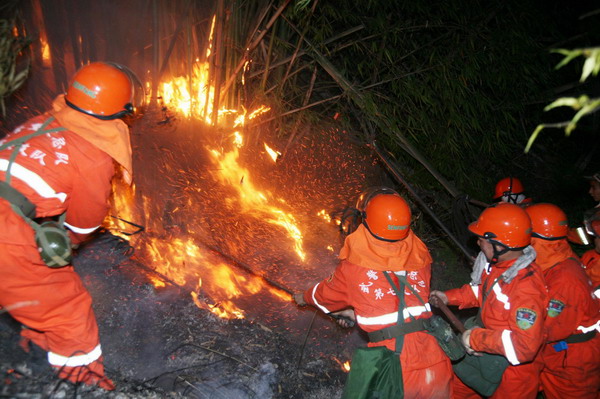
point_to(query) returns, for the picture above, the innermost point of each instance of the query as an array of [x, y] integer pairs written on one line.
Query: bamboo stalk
[[155, 51], [190, 61], [253, 45], [304, 103], [363, 103], [394, 170], [217, 61], [297, 49], [299, 109], [263, 82], [178, 29], [304, 52]]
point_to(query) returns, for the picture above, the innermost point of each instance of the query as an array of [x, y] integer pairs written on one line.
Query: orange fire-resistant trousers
[[573, 373], [57, 311]]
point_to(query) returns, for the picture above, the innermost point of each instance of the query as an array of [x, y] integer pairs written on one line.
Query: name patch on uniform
[[555, 307], [525, 318]]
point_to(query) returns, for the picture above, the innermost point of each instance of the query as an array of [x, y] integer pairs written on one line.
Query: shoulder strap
[[485, 295], [487, 292], [18, 142], [401, 306], [18, 202]]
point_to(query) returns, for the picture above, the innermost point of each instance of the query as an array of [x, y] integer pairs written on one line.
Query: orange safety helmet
[[385, 214], [104, 90], [548, 221], [505, 224], [510, 187]]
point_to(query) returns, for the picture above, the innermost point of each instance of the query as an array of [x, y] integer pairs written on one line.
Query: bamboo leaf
[[588, 66], [575, 103], [533, 136], [587, 109], [568, 58]]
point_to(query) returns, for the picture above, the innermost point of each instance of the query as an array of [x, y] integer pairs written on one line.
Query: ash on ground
[[158, 344]]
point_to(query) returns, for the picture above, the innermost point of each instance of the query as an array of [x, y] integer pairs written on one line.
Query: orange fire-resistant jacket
[[513, 315], [426, 369], [572, 371], [591, 263], [59, 172]]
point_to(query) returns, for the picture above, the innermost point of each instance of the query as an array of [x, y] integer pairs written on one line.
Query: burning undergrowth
[[215, 200], [197, 302]]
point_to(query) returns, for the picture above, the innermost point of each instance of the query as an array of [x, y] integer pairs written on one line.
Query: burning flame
[[211, 35], [45, 51], [272, 153], [344, 365], [180, 260], [253, 200]]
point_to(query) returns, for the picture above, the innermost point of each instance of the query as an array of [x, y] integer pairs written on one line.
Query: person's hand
[[299, 299], [345, 318], [466, 341], [437, 297]]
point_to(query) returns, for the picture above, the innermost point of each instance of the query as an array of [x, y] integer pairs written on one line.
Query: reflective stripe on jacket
[[59, 172], [376, 307], [513, 314]]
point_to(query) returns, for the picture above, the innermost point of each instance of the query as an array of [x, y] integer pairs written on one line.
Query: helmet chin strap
[[497, 253]]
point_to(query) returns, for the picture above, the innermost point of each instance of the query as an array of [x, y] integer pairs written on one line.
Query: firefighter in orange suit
[[385, 242], [514, 307], [591, 258], [571, 356], [511, 190], [65, 171]]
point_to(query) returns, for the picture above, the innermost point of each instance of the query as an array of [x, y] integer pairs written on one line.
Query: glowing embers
[[344, 365], [252, 200]]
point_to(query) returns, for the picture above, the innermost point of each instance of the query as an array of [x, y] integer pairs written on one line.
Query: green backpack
[[481, 373]]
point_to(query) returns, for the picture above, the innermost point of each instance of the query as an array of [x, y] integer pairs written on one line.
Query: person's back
[[385, 244], [55, 180], [571, 356], [591, 258], [508, 286]]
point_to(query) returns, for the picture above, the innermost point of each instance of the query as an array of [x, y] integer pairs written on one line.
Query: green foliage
[[452, 79], [583, 105], [10, 47]]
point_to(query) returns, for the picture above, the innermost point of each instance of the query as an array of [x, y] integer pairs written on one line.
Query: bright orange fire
[[272, 153], [213, 285], [344, 365], [254, 201]]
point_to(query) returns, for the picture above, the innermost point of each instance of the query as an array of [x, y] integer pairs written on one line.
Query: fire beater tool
[[451, 316], [233, 261], [139, 227], [270, 282]]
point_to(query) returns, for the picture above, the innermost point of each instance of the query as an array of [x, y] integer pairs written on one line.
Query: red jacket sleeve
[[331, 294], [464, 297], [523, 334]]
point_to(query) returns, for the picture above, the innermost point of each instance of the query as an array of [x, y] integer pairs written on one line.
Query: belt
[[579, 338], [13, 196], [397, 330]]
